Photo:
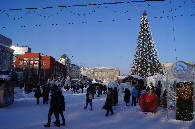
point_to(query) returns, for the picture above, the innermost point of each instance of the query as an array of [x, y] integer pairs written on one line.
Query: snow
[[136, 76], [121, 77], [26, 114]]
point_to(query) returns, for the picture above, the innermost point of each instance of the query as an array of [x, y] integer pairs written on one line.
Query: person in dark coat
[[164, 99], [157, 92], [109, 103], [134, 96], [45, 95], [74, 87], [53, 108], [115, 92], [61, 105], [99, 91], [147, 89], [89, 97], [104, 89], [82, 86], [127, 96], [37, 93], [139, 93], [77, 87]]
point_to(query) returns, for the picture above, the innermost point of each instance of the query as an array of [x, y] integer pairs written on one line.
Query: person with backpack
[[89, 98]]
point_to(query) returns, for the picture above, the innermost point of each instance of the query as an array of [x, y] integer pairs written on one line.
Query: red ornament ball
[[148, 102]]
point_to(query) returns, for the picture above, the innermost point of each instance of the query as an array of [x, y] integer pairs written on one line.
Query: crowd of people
[[57, 100]]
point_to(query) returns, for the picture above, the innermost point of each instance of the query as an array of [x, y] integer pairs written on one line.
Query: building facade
[[83, 71], [65, 61], [38, 68], [75, 72], [6, 54], [165, 67], [20, 50], [103, 73]]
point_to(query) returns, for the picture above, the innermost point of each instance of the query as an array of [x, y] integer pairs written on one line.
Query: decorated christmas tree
[[146, 62]]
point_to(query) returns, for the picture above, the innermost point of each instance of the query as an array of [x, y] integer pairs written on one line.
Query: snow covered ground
[[26, 114]]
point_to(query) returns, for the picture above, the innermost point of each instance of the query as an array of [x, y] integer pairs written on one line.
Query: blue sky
[[104, 35]]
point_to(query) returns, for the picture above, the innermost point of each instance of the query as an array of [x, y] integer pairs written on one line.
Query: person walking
[[99, 91], [134, 96], [53, 108], [89, 98], [45, 95], [109, 103], [37, 93], [61, 106]]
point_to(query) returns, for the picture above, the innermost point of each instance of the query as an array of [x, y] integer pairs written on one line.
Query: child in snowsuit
[[109, 103], [89, 99]]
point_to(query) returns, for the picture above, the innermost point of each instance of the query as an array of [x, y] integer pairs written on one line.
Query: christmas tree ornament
[[148, 102]]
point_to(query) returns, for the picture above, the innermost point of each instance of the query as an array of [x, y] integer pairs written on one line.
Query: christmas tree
[[146, 62]]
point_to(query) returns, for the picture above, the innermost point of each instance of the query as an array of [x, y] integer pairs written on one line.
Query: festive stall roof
[[132, 77]]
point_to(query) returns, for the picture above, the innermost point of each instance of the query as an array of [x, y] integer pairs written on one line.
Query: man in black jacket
[[61, 105], [53, 108]]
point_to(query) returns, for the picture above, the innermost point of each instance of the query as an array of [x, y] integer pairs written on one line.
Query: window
[[31, 64], [36, 67], [44, 64], [20, 62], [25, 63]]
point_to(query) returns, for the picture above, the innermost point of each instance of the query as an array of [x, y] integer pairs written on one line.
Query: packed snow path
[[26, 114]]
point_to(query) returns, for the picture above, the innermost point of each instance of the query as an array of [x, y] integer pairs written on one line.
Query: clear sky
[[100, 35]]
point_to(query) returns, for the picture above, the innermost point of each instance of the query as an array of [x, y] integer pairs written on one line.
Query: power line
[[84, 5], [99, 21]]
